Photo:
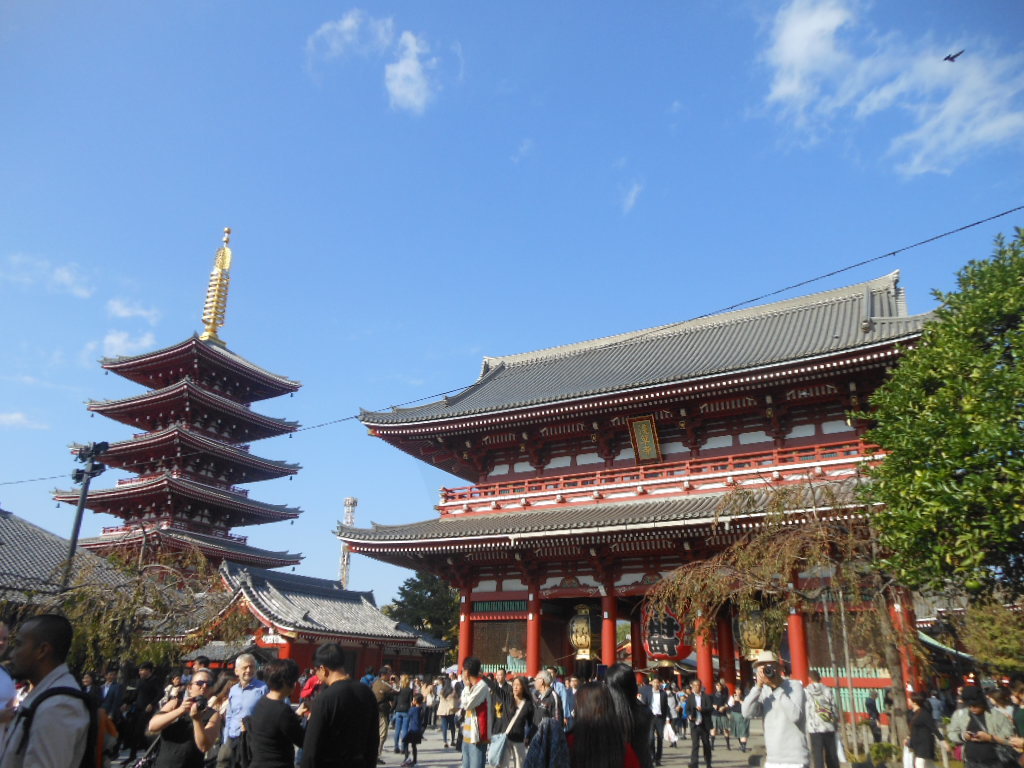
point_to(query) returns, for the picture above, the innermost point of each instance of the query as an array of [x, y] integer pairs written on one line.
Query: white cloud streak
[[829, 70], [354, 33], [32, 271], [523, 151], [631, 196], [406, 79], [18, 420], [117, 343], [124, 309]]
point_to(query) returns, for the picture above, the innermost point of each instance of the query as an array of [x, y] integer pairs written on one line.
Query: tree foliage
[[991, 631], [427, 603], [154, 607], [952, 419]]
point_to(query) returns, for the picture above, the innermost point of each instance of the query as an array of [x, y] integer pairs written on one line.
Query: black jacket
[[707, 709], [923, 732]]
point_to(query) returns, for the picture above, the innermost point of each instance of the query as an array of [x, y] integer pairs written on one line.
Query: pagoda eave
[[187, 356]]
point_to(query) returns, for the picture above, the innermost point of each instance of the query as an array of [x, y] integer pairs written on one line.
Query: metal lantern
[[753, 633], [666, 637], [584, 633]]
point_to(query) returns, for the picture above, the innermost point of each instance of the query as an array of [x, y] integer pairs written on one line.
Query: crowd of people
[[253, 718]]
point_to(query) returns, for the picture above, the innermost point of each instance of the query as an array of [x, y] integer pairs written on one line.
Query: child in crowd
[[414, 728]]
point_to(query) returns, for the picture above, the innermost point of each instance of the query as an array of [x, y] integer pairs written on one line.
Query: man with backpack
[[821, 722], [55, 723]]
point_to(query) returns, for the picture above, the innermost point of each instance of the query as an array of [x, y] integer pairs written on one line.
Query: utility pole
[[346, 556], [87, 454]]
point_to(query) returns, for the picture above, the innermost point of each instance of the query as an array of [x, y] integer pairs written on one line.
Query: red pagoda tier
[[195, 449]]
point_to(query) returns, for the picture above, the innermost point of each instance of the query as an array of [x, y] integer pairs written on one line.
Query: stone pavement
[[432, 753]]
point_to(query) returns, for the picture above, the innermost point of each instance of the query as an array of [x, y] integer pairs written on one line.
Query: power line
[[632, 338]]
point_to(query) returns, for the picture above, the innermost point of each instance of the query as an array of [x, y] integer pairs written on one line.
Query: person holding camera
[[188, 727], [780, 702]]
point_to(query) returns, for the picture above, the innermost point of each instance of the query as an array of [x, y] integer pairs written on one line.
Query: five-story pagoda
[[193, 451]]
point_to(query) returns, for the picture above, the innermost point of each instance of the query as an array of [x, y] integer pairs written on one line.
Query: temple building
[[593, 470], [193, 450]]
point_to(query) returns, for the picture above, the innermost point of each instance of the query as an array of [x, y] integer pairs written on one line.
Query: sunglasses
[[202, 683]]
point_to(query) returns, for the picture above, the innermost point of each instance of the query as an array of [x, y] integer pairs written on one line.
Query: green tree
[[429, 604], [951, 417], [991, 632]]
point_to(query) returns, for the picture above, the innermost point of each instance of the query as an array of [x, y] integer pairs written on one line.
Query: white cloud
[[18, 420], [524, 150], [30, 271], [406, 78], [675, 107], [825, 78], [355, 33], [631, 196], [124, 309], [117, 343]]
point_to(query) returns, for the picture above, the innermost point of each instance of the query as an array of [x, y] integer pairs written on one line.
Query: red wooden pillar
[[533, 626], [609, 616], [465, 627], [705, 664], [636, 643], [284, 650], [903, 622], [798, 646], [726, 651]]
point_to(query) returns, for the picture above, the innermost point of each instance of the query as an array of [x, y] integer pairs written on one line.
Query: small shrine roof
[[188, 389], [149, 366], [124, 451], [32, 561], [312, 606], [165, 483], [229, 549], [580, 518], [825, 324]]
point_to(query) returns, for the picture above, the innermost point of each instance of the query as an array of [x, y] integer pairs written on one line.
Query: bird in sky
[[952, 56]]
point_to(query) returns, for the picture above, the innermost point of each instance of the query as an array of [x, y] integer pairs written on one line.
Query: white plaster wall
[[719, 441], [746, 438], [588, 458], [559, 461], [831, 427], [801, 430]]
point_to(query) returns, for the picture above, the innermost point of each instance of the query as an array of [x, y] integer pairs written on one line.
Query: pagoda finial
[[217, 293]]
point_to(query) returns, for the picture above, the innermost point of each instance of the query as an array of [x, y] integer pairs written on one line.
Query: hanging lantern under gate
[[666, 637]]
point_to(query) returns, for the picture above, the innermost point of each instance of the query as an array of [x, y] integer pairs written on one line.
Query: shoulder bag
[[496, 750]]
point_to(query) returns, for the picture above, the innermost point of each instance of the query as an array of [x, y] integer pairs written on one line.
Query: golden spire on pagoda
[[217, 294]]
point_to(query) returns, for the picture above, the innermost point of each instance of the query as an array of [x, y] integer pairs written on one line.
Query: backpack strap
[[27, 715]]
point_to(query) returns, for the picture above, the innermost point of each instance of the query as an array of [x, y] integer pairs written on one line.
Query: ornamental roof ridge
[[850, 292], [192, 434], [213, 347], [188, 383]]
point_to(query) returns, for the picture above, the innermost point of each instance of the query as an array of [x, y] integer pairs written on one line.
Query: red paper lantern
[[665, 636]]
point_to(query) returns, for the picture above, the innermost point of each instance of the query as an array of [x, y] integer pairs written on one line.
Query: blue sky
[[413, 185]]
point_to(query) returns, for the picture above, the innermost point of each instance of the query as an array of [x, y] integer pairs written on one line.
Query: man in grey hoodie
[[780, 701]]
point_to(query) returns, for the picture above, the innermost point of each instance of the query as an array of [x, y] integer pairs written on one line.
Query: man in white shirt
[[60, 723]]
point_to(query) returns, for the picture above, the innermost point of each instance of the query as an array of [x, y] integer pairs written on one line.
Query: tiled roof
[[111, 500], [823, 324], [569, 520], [32, 560], [314, 606], [231, 549], [129, 451], [141, 368], [191, 393], [223, 651]]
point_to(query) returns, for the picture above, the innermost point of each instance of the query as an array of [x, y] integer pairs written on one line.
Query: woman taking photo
[[187, 727], [274, 730]]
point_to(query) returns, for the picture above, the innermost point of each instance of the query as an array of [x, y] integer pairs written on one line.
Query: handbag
[[1007, 756], [149, 757], [496, 749]]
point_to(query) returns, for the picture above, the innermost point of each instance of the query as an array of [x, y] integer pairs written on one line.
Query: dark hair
[[599, 742], [202, 661], [53, 630], [814, 676], [1001, 696], [281, 674], [472, 666], [331, 656], [631, 713], [369, 671], [146, 665], [417, 698], [921, 700]]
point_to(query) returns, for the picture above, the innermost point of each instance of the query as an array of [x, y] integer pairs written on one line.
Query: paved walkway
[[432, 753]]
